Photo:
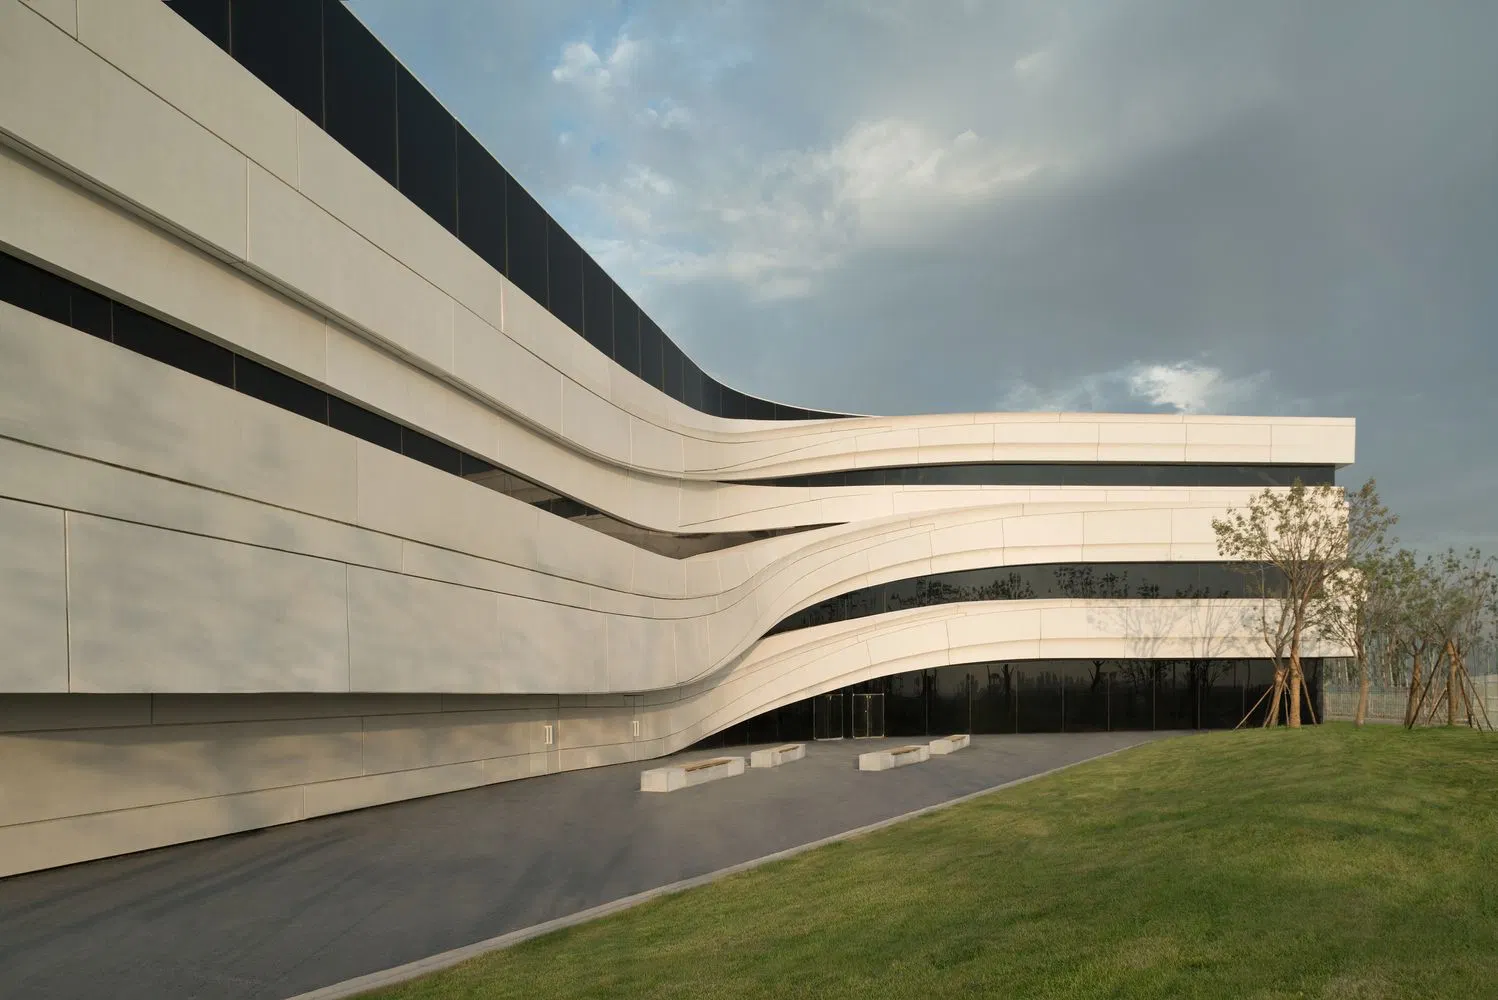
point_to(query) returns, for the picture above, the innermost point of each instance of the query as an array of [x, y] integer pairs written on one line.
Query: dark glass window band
[[1033, 696], [38, 291], [1064, 474], [320, 58], [1133, 580]]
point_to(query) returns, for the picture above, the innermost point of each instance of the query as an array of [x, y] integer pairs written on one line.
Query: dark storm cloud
[[1292, 207]]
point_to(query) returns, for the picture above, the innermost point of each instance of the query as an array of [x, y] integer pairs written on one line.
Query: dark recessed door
[[827, 717]]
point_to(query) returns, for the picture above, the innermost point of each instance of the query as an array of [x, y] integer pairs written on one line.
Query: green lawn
[[1321, 863]]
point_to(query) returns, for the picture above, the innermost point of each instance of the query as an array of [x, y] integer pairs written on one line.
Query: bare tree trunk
[[1424, 711], [1450, 684], [1295, 677], [1413, 703], [1361, 715], [1467, 698], [1272, 717]]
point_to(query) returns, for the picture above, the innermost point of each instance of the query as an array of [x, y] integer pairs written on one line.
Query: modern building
[[333, 472]]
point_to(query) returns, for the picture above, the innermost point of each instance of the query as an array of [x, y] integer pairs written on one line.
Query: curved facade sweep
[[306, 505]]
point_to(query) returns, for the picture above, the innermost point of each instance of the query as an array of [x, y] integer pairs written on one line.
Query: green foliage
[[1329, 862]]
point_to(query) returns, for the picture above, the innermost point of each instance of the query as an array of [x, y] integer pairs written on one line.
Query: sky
[[1208, 206]]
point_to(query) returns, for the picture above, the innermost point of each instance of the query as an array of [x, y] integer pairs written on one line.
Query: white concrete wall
[[214, 544]]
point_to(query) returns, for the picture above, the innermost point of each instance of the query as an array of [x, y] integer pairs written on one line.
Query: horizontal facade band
[[52, 297]]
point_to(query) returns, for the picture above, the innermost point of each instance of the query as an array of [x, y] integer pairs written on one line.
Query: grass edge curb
[[361, 985]]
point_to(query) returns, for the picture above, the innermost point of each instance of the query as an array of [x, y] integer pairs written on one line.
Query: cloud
[[1191, 388], [667, 113], [1035, 68], [774, 223], [642, 178], [1180, 387], [581, 65]]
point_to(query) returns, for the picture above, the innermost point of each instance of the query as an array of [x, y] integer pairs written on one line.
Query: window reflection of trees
[[1090, 581]]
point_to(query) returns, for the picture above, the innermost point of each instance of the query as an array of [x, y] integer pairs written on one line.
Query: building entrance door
[[827, 717], [868, 716]]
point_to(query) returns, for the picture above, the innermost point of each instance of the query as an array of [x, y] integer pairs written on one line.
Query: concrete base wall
[[88, 776]]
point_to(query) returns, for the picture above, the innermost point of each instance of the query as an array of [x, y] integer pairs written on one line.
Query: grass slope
[[1321, 863]]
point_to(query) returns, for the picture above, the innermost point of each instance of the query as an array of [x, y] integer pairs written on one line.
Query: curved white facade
[[223, 615]]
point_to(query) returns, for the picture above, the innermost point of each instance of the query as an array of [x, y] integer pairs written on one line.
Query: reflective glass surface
[[598, 307], [671, 367], [91, 313], [135, 331], [526, 243], [1155, 580], [270, 386], [564, 277], [1222, 691], [949, 701], [482, 183], [210, 17], [1036, 696], [691, 384], [1131, 695], [359, 90], [280, 41], [626, 331], [1085, 696], [361, 423], [651, 344], [419, 446], [995, 704], [35, 290], [1065, 474], [428, 144]]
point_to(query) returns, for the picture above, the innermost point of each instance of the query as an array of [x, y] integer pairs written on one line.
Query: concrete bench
[[884, 760], [776, 756], [669, 779], [950, 744]]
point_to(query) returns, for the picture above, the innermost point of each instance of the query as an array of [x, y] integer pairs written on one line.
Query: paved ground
[[277, 912]]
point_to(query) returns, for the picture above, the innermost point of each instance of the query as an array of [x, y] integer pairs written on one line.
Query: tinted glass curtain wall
[[1131, 581], [1065, 474], [1046, 696], [323, 61]]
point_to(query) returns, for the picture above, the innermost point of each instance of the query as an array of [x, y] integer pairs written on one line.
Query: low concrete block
[[669, 779], [885, 760], [950, 744], [776, 756]]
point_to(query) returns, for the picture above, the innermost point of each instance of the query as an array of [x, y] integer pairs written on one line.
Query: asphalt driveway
[[273, 913]]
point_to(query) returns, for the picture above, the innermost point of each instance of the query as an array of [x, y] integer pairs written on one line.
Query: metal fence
[[1387, 704]]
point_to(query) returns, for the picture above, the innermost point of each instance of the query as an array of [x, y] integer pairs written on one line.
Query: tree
[[1291, 541], [1412, 588], [1355, 602], [1463, 598]]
